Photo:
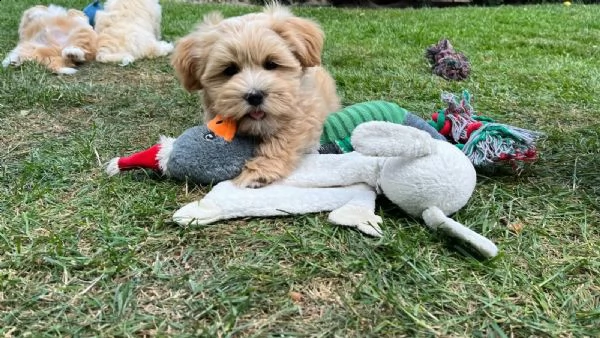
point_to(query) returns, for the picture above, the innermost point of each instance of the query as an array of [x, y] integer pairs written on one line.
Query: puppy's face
[[250, 68], [253, 78]]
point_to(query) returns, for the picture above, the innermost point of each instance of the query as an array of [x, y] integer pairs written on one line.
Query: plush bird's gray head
[[204, 158]]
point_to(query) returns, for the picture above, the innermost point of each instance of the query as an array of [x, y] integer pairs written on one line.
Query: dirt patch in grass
[[32, 127]]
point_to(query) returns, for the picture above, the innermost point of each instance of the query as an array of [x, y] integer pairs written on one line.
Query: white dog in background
[[129, 30]]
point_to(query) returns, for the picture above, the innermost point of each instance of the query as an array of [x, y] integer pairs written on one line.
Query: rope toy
[[485, 142], [446, 62]]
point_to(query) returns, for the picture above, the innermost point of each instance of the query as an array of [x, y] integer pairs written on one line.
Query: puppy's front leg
[[274, 160]]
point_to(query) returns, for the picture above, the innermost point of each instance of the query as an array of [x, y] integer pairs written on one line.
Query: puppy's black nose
[[255, 98]]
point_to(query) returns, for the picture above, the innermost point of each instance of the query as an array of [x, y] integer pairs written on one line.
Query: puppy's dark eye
[[231, 70], [270, 65], [210, 136]]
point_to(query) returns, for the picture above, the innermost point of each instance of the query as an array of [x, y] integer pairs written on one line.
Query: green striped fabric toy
[[338, 126]]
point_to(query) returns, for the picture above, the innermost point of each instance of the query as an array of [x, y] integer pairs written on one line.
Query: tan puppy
[[129, 30], [55, 37], [263, 70]]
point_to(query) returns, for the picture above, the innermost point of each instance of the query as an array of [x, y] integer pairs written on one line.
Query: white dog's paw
[[12, 59], [362, 218], [127, 60], [66, 71], [165, 48], [74, 53], [198, 213]]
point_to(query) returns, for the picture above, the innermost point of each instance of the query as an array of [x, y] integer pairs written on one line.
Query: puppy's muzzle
[[255, 98]]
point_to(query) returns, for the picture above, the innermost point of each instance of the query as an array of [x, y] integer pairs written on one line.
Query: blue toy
[[91, 9]]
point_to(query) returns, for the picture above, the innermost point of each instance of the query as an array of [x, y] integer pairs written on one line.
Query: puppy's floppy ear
[[188, 64], [303, 36], [190, 53]]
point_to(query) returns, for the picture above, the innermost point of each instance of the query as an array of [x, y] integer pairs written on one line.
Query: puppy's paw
[[251, 179], [127, 60], [66, 71], [74, 53], [11, 59], [165, 48]]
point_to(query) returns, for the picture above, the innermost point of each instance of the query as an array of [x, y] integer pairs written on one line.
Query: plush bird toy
[[198, 155], [486, 143]]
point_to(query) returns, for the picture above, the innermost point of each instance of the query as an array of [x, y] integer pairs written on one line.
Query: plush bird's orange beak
[[222, 127]]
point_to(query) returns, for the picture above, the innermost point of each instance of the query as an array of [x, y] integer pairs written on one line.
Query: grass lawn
[[82, 254]]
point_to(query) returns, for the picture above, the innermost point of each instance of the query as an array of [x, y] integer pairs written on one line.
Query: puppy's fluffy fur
[[55, 37], [129, 30], [263, 70]]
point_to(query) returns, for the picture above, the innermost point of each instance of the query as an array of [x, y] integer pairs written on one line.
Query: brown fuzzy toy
[[446, 62]]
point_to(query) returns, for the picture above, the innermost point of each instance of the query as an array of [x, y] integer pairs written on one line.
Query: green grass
[[82, 254]]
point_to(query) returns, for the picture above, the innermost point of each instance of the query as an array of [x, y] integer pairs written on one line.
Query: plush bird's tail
[[155, 158]]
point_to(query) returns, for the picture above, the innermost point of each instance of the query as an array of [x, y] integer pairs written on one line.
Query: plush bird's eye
[[209, 136], [231, 70], [270, 65]]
